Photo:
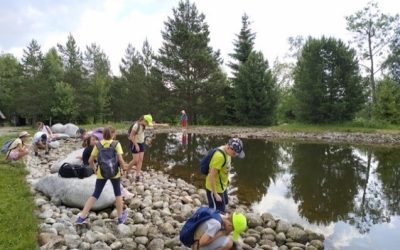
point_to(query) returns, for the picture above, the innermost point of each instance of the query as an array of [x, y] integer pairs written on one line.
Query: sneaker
[[123, 217], [80, 220]]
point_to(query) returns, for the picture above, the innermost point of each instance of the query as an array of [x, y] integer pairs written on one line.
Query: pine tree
[[10, 80], [188, 63], [243, 45], [327, 82], [255, 92]]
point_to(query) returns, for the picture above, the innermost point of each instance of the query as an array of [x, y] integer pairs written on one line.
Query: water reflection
[[351, 194]]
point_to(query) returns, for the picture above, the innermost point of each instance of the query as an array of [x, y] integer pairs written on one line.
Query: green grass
[[18, 224]]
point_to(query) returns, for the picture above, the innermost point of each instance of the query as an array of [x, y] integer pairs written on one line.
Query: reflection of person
[[185, 138], [211, 234], [217, 178], [136, 143], [40, 142], [184, 120], [108, 135], [18, 149]]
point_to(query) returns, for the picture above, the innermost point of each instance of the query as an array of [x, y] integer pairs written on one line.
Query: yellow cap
[[239, 222], [149, 119]]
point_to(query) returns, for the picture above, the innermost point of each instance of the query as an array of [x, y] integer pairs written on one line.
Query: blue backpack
[[6, 146], [202, 214], [107, 160], [205, 162]]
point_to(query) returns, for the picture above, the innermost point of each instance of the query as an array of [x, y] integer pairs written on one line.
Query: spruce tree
[[190, 66], [255, 92]]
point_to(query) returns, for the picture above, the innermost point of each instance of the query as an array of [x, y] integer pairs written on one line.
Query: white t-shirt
[[37, 137], [209, 227], [140, 133]]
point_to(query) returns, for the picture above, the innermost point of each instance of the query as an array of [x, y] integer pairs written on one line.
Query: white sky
[[114, 23]]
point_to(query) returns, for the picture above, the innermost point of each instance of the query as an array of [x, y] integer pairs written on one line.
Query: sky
[[114, 23]]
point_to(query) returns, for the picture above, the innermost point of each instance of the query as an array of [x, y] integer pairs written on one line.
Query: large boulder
[[58, 128], [74, 192], [71, 130], [72, 158]]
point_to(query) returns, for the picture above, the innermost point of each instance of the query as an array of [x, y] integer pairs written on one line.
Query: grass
[[18, 225]]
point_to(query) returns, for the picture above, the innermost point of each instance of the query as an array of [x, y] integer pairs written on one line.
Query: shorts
[[14, 154], [218, 243], [184, 123], [217, 205], [133, 148]]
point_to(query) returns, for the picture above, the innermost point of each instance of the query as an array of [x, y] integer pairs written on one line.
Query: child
[[108, 136], [40, 142], [136, 143], [18, 149], [45, 129], [184, 120]]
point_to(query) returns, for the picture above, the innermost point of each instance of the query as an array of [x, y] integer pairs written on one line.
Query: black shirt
[[86, 154]]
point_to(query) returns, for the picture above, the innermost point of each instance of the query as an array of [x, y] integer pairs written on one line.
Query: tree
[[66, 108], [255, 92], [188, 63], [392, 63], [373, 32], [10, 80], [98, 69], [387, 107], [327, 84], [243, 45]]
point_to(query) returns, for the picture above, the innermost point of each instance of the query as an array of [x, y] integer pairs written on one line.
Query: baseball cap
[[237, 145], [239, 223], [149, 119], [23, 134]]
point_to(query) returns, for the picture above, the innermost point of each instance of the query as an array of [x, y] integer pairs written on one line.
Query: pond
[[349, 193]]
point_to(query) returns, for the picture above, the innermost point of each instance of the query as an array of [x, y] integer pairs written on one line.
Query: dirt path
[[8, 130]]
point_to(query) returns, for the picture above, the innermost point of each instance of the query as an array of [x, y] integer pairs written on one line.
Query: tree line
[[328, 80]]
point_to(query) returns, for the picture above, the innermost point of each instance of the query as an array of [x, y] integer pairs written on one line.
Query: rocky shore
[[392, 139], [157, 211]]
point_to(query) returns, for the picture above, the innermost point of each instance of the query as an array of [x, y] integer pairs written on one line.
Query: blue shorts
[[133, 149], [218, 205]]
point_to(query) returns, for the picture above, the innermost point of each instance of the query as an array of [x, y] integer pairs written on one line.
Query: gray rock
[[40, 201], [100, 246], [267, 247], [72, 241], [252, 241], [167, 229], [74, 192], [156, 244], [296, 248], [141, 230], [283, 247], [267, 217], [124, 230], [158, 204], [70, 158], [281, 237], [85, 246], [71, 130], [138, 218], [46, 214], [45, 238], [49, 221], [314, 236], [116, 245], [317, 244], [267, 242], [291, 245], [311, 247], [186, 211], [271, 224], [141, 240], [170, 243], [135, 203], [92, 237], [297, 234], [253, 220], [282, 226], [110, 238]]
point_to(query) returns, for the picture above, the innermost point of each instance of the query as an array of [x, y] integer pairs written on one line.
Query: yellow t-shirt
[[216, 162], [106, 144]]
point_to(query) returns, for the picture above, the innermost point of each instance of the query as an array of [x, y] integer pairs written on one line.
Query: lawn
[[18, 225]]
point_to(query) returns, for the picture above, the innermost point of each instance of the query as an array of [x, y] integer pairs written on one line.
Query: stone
[[296, 248], [49, 221], [72, 241], [314, 236], [170, 243], [291, 245], [45, 238], [283, 247], [138, 218], [158, 204], [281, 237], [92, 237], [71, 158], [116, 245], [267, 217], [124, 230], [74, 192], [85, 246], [141, 230], [46, 214], [110, 238], [141, 240], [167, 229], [135, 204], [253, 220], [40, 201], [317, 244], [311, 247], [58, 128], [252, 241], [186, 211], [99, 245], [297, 234], [156, 244], [282, 226], [71, 130], [267, 242]]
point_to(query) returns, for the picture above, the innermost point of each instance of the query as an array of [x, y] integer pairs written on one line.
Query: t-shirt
[[37, 137], [106, 144], [14, 145], [86, 154], [216, 162], [209, 227], [140, 133], [45, 129], [184, 117]]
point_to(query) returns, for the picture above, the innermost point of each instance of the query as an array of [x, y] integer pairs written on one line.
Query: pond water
[[349, 193]]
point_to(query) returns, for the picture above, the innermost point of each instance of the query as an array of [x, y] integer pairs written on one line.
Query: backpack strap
[[114, 144], [99, 146]]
